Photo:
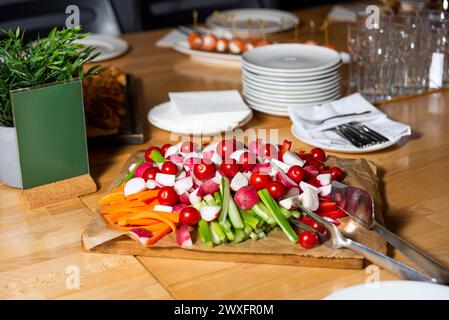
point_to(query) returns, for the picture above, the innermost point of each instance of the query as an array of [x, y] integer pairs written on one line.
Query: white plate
[[311, 98], [292, 79], [260, 108], [292, 58], [158, 117], [348, 149], [291, 84], [299, 92], [284, 103], [299, 76], [393, 290], [225, 59], [272, 21], [260, 70], [109, 46]]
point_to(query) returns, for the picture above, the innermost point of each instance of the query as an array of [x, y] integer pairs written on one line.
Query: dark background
[[124, 16]]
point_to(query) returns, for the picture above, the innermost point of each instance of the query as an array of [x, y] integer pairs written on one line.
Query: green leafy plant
[[55, 58]]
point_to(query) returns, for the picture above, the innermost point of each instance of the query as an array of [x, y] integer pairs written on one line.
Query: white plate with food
[[225, 59], [246, 22], [108, 46]]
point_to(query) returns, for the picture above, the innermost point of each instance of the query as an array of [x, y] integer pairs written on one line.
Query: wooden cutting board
[[274, 249]]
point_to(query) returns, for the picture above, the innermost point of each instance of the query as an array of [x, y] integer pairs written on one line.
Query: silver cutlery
[[359, 135], [338, 116], [359, 205]]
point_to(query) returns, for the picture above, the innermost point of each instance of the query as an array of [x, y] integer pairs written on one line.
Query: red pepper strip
[[336, 214], [286, 146], [327, 206]]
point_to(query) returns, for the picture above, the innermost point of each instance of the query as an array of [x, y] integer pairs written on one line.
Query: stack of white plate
[[282, 75]]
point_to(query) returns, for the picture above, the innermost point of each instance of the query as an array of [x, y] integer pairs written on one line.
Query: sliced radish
[[176, 158], [183, 185], [324, 179], [196, 182], [246, 197], [141, 169], [325, 191], [183, 238], [293, 191], [304, 185], [184, 198], [247, 173], [262, 168], [239, 181], [179, 207], [160, 207], [292, 159], [195, 196], [210, 213], [140, 235], [181, 175], [132, 166], [309, 199], [216, 158], [282, 165], [207, 155], [151, 184], [289, 203], [285, 180], [189, 162], [209, 187], [217, 178], [172, 150], [133, 186], [210, 147], [311, 171], [236, 154], [253, 146], [167, 180]]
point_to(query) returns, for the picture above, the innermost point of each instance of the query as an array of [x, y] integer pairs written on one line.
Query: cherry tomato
[[276, 189], [312, 223], [318, 154], [209, 42], [204, 170], [259, 180], [164, 148], [195, 40], [226, 147], [189, 216], [167, 196], [169, 167], [229, 168], [148, 153], [189, 146], [308, 239], [247, 160], [337, 173], [150, 174], [295, 173], [267, 150]]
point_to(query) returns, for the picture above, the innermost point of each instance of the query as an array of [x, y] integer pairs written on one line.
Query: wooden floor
[[40, 254]]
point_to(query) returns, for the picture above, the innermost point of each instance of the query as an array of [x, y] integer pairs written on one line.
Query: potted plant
[[49, 61]]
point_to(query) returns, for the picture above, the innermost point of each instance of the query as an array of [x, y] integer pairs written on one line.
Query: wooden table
[[40, 249]]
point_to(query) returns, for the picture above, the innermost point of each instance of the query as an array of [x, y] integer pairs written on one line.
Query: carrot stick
[[155, 215], [153, 228], [157, 236]]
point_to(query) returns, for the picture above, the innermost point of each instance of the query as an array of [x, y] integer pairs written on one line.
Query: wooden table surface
[[40, 249]]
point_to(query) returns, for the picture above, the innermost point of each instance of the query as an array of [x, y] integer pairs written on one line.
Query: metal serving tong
[[359, 205]]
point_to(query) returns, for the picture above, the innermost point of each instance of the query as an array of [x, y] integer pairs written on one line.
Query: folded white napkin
[[171, 38], [304, 126]]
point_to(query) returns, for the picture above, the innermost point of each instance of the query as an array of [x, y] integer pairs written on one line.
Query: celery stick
[[278, 216], [215, 237], [287, 214], [261, 234], [248, 230], [234, 215], [209, 200], [157, 157], [218, 231], [264, 213], [225, 195], [131, 174], [240, 235], [204, 233], [218, 199], [226, 227], [250, 219], [254, 236]]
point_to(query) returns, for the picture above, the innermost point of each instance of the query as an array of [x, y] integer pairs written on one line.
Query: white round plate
[[292, 57], [225, 59], [297, 93], [272, 20], [393, 290], [284, 103], [293, 79], [260, 70], [349, 149], [109, 46], [157, 116], [299, 76], [260, 108], [291, 84], [274, 99]]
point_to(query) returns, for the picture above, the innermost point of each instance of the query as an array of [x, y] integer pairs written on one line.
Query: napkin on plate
[[303, 118]]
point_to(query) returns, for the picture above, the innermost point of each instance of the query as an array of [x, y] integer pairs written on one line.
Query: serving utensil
[[334, 239], [359, 205]]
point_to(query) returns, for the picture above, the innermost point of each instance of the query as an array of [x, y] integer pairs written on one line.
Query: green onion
[[278, 216], [204, 233], [131, 174], [225, 195]]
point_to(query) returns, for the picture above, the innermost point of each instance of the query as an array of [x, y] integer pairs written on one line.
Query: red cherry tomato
[[337, 173], [189, 216], [195, 40], [204, 170], [164, 148], [247, 160], [148, 153], [308, 239], [267, 150], [312, 223], [167, 196], [169, 167], [276, 189], [318, 154], [189, 146], [226, 147], [259, 180], [229, 168], [295, 173], [150, 174]]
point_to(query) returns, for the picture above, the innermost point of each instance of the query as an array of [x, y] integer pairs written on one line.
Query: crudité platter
[[232, 202]]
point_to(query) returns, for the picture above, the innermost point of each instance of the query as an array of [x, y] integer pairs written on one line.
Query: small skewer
[[325, 28], [195, 19]]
